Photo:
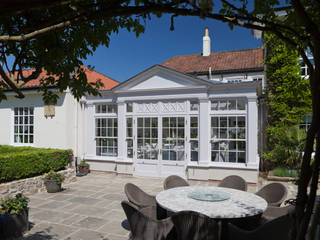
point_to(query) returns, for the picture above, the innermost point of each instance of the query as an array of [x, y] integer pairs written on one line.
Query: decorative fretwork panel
[[160, 107]]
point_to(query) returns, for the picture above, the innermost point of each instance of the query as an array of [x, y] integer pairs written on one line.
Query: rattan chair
[[277, 229], [235, 182], [144, 227], [273, 212], [174, 181], [191, 225], [138, 197], [273, 193]]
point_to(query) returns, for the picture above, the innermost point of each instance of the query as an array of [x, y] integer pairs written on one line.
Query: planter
[[13, 225], [84, 169], [52, 186]]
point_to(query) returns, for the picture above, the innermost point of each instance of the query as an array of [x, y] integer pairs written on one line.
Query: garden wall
[[32, 185]]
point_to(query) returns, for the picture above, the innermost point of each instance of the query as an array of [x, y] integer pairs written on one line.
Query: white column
[[252, 135], [204, 133], [89, 124], [121, 131]]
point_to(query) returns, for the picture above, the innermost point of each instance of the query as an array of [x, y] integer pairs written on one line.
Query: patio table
[[240, 204], [235, 206]]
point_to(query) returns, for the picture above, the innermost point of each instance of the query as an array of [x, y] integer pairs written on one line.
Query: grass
[[284, 172]]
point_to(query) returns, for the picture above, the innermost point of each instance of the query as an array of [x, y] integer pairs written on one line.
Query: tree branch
[[311, 27], [11, 84]]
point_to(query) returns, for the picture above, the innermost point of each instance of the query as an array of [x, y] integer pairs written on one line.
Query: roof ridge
[[226, 51]]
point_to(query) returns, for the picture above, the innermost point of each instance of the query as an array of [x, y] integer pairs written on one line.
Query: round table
[[240, 204]]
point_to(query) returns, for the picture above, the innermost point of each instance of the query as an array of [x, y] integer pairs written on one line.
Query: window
[[257, 79], [129, 107], [194, 106], [194, 139], [106, 108], [23, 125], [306, 122], [107, 136], [228, 139], [129, 138], [225, 105], [147, 144]]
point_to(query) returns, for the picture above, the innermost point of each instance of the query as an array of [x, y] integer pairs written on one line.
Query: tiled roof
[[250, 59], [92, 76]]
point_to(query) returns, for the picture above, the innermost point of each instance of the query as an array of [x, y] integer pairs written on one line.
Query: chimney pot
[[206, 44]]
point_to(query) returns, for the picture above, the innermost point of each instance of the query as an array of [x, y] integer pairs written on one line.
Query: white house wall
[[59, 131]]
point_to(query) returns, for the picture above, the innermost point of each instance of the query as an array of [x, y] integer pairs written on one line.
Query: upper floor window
[[23, 125], [106, 108], [230, 104]]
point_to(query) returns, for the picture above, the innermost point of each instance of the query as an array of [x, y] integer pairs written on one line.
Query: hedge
[[23, 162]]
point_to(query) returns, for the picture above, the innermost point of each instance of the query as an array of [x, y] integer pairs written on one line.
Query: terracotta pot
[[13, 225], [52, 186]]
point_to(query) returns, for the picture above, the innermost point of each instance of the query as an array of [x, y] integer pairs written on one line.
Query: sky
[[128, 55]]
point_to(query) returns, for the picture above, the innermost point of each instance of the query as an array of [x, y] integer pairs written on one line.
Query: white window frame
[[23, 125], [129, 138], [194, 139], [108, 115]]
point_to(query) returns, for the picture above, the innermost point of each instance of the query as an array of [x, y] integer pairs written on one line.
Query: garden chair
[[138, 197], [235, 182], [144, 227], [174, 181], [273, 212], [273, 193], [191, 225], [276, 229]]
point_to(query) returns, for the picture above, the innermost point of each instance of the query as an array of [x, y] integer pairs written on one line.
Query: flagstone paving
[[90, 209]]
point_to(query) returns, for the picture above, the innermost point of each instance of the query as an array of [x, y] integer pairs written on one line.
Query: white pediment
[[159, 77]]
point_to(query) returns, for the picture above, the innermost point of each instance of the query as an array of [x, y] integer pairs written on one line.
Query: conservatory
[[163, 122]]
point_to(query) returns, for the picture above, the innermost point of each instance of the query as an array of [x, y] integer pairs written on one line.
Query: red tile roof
[[249, 59], [92, 76]]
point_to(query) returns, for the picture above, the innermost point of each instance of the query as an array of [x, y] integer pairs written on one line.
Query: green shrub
[[16, 204], [30, 162], [285, 172]]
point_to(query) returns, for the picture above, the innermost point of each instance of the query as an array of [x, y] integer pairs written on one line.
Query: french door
[[160, 146]]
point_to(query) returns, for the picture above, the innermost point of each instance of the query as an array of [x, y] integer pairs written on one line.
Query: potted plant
[[53, 181], [14, 217], [84, 167]]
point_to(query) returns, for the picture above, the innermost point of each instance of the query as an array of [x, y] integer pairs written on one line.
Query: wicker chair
[[275, 212], [191, 225], [277, 229], [138, 197], [273, 193], [174, 181], [235, 182], [144, 227]]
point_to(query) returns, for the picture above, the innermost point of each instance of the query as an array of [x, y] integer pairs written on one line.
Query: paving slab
[[90, 208]]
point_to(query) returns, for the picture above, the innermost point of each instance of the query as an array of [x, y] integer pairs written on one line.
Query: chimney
[[206, 44]]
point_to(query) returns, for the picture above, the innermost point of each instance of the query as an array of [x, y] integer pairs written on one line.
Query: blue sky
[[128, 55]]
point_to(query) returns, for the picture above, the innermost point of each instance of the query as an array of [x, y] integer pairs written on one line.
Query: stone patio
[[90, 209]]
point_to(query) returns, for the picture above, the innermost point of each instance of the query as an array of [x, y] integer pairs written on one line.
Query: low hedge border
[[24, 162]]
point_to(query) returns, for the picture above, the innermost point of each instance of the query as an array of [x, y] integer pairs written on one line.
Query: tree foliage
[[55, 35], [288, 100]]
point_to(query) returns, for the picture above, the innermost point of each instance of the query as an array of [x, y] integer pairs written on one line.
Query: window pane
[[232, 156], [232, 121], [241, 157], [194, 122], [129, 107], [241, 133], [223, 105], [232, 104], [140, 122], [154, 122], [173, 122], [214, 122], [147, 123], [194, 106], [214, 105], [180, 122], [215, 156], [129, 122], [214, 133], [223, 122], [194, 133], [241, 104], [241, 121]]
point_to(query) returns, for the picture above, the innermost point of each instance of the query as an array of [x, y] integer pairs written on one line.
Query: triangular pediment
[[159, 77]]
